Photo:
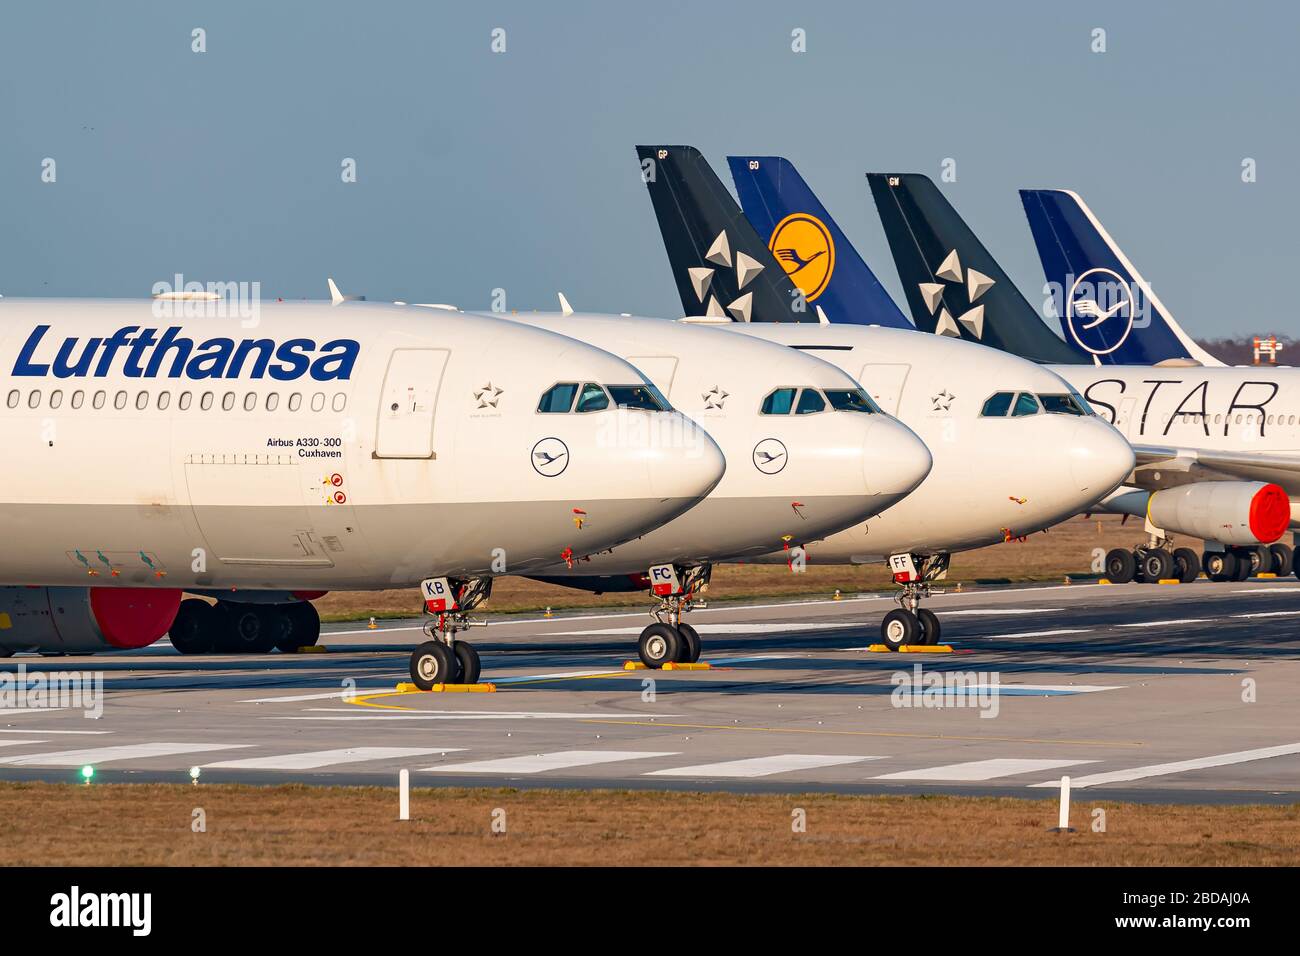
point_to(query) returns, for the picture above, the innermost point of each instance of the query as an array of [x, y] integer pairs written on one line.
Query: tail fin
[[809, 245], [953, 286], [1103, 304], [721, 266]]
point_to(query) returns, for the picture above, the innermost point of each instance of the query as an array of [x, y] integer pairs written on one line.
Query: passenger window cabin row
[[142, 400]]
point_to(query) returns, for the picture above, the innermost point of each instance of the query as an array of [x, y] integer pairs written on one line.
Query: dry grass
[[1066, 549], [147, 824]]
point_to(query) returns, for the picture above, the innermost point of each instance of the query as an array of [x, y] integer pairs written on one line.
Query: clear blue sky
[[480, 170]]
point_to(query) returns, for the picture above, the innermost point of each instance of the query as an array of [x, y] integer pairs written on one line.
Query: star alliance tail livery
[[953, 286]]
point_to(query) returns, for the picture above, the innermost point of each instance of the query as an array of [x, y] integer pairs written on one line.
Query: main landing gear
[[442, 659], [1238, 564], [231, 627], [911, 623], [1157, 562], [669, 640]]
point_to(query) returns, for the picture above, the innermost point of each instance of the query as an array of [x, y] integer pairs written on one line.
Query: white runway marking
[[33, 730], [540, 763], [350, 713], [556, 675], [998, 611], [330, 695], [1271, 589], [706, 629], [760, 766], [1269, 614], [98, 755], [1176, 620], [18, 743], [1007, 637], [1180, 766], [981, 769], [327, 758]]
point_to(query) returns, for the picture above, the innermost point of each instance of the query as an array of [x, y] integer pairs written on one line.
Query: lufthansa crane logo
[[550, 457], [803, 246], [1099, 311], [770, 456]]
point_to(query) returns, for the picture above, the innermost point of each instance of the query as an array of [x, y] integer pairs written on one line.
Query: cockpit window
[[558, 399], [592, 399], [810, 402], [638, 396], [1061, 405], [780, 402], [850, 400], [1026, 404], [997, 405]]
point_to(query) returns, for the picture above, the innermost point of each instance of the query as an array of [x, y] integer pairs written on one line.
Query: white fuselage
[[1233, 411], [994, 478], [832, 468], [151, 443]]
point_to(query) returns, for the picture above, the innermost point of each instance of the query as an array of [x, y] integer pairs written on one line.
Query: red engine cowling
[[1232, 512], [76, 620]]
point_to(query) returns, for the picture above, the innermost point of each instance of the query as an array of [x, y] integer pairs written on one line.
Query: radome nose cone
[[896, 460], [1100, 458], [688, 466]]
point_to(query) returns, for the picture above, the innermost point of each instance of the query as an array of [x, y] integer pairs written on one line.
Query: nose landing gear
[[443, 659], [911, 623], [669, 640]]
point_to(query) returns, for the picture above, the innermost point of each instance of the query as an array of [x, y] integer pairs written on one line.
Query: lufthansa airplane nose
[[683, 461], [896, 461], [1099, 457]]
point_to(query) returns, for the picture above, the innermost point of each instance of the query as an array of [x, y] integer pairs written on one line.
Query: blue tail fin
[[809, 245], [1104, 305]]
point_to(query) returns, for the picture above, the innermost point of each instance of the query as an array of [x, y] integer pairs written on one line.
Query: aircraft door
[[407, 403], [884, 383]]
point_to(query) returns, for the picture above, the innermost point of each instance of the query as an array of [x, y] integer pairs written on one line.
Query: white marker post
[[404, 795], [1063, 820]]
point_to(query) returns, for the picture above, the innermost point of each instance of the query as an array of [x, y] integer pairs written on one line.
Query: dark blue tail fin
[[809, 245], [1104, 306]]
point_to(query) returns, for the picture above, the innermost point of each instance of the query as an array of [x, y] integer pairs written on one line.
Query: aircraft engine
[[77, 620], [1232, 512]]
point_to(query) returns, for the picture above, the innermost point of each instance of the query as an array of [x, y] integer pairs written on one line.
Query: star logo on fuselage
[[943, 401], [488, 395], [715, 397]]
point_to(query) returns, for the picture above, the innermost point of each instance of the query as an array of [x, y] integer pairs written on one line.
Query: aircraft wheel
[[467, 658], [244, 628], [1283, 559], [930, 629], [1219, 565], [433, 663], [303, 627], [1121, 566], [1246, 563], [900, 627], [194, 631], [1157, 565], [658, 645], [1187, 566], [689, 652]]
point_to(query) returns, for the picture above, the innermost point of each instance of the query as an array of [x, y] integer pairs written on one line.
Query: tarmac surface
[[1187, 693]]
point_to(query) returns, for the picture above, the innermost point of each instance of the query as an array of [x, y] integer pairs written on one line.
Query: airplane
[[992, 479], [162, 446], [1216, 447], [808, 454]]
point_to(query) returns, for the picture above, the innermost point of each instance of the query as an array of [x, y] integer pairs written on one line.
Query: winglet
[[565, 308], [335, 295], [821, 316]]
